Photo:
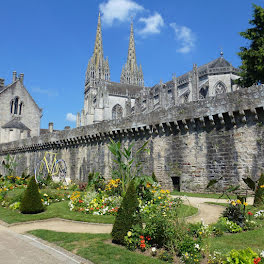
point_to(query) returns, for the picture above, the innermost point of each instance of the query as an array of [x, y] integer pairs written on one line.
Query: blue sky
[[51, 42]]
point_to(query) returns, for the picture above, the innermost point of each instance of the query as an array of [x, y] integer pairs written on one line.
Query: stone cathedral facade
[[106, 100]]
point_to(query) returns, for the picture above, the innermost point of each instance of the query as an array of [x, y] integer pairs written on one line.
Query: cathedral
[[106, 100]]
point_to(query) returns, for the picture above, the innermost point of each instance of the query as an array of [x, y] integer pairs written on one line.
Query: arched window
[[20, 108], [220, 88], [117, 111], [16, 106], [203, 92], [11, 106]]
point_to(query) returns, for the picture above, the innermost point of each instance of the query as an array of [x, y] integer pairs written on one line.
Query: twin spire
[[98, 67], [131, 73]]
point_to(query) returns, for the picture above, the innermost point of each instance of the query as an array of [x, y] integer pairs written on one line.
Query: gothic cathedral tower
[[98, 67], [131, 73]]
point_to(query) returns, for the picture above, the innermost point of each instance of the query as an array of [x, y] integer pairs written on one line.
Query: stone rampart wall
[[197, 141]]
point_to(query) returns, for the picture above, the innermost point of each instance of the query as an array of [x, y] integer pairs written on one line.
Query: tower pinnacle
[[131, 73], [98, 67]]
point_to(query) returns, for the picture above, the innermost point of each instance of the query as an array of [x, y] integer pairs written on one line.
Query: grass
[[61, 210], [202, 195], [187, 210], [94, 247], [253, 239]]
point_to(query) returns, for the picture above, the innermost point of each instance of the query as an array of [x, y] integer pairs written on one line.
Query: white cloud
[[71, 117], [120, 10], [45, 91], [153, 24], [185, 36]]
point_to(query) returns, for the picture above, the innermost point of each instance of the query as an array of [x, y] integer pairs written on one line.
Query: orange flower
[[141, 237]]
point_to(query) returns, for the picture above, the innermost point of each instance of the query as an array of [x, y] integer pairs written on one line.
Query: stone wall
[[196, 141]]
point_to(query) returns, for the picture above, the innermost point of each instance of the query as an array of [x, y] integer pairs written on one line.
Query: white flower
[[153, 249], [262, 253], [197, 246]]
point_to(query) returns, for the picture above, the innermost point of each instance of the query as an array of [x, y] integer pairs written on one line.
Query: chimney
[[21, 77], [67, 128], [14, 76], [2, 83], [50, 127]]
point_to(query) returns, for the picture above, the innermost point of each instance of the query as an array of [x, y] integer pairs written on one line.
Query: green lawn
[[93, 247], [202, 195], [61, 210], [253, 239]]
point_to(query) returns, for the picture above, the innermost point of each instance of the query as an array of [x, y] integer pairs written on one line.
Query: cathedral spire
[[131, 58], [98, 46], [131, 73], [98, 67]]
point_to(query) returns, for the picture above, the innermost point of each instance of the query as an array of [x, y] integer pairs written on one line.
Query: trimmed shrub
[[127, 215], [31, 201], [259, 193]]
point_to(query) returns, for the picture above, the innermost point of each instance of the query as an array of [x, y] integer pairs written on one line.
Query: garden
[[149, 224]]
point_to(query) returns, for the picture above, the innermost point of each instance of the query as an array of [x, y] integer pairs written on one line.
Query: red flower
[[142, 241], [97, 208], [249, 213], [91, 209], [80, 201], [257, 260], [141, 237], [142, 245], [148, 238]]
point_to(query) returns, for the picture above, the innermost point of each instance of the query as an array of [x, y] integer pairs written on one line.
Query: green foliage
[[245, 256], [128, 167], [228, 226], [235, 213], [96, 181], [9, 165], [161, 230], [259, 193], [126, 215], [31, 201], [166, 256], [189, 250], [250, 183], [252, 69]]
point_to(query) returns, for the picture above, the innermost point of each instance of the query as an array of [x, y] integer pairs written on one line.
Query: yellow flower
[[261, 186], [148, 185], [246, 204], [159, 197], [233, 203], [129, 233], [162, 191], [238, 202], [42, 200]]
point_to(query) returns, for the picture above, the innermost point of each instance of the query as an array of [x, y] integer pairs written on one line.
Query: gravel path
[[208, 213]]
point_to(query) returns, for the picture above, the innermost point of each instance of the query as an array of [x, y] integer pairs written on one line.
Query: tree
[[31, 201], [127, 215], [252, 69]]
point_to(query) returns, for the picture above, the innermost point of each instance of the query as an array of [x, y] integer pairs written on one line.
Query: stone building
[[107, 100], [104, 99], [214, 78], [19, 114]]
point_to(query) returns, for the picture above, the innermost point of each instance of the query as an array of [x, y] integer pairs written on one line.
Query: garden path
[[208, 213], [24, 249]]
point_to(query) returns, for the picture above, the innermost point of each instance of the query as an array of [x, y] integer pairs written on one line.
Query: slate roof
[[123, 89], [44, 131], [15, 124]]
